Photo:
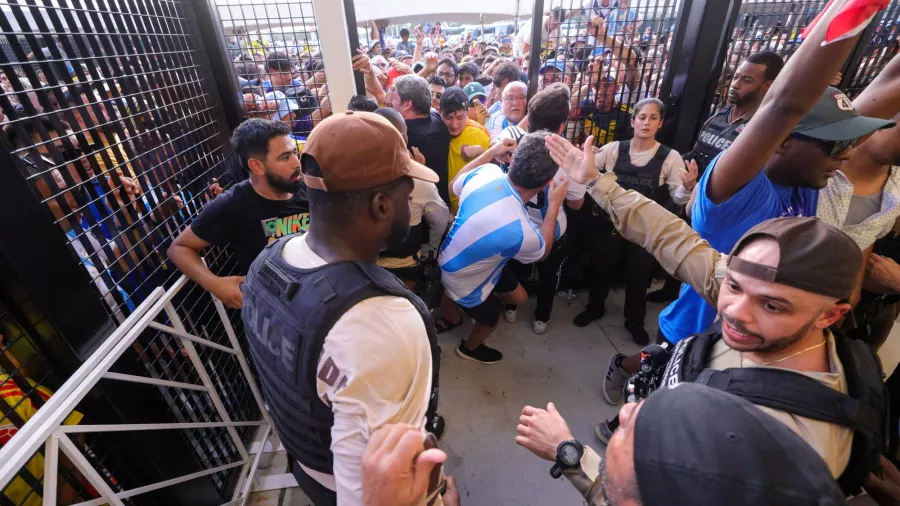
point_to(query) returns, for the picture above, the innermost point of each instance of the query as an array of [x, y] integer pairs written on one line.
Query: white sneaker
[[540, 327], [614, 382], [510, 315]]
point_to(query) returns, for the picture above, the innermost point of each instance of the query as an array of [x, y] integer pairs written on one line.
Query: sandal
[[442, 325]]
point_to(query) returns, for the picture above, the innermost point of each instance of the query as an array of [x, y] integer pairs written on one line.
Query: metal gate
[[112, 125]]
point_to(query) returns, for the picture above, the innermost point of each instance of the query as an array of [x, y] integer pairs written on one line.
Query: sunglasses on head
[[833, 148]]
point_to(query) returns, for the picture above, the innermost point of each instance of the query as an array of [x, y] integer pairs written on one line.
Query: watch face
[[569, 455]]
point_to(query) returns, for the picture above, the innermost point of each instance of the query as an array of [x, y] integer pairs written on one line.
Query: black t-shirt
[[431, 137], [248, 221]]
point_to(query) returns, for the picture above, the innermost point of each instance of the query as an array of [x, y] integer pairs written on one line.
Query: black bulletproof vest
[[864, 409], [287, 313], [644, 180], [715, 136]]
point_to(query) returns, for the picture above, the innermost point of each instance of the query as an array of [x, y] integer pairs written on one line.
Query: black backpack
[[864, 409]]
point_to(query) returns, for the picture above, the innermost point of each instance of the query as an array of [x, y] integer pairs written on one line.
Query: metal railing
[[46, 427]]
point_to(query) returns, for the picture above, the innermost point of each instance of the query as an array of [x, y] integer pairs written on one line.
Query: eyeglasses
[[511, 98], [833, 148], [446, 75]]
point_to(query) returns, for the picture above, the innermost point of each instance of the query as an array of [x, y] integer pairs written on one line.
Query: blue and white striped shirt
[[490, 228]]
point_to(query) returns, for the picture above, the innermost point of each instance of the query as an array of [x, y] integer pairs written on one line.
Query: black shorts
[[488, 312]]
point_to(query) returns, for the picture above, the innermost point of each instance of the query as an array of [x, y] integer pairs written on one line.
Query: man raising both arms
[[270, 204]]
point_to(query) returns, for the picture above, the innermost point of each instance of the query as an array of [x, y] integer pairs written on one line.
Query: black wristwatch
[[568, 455]]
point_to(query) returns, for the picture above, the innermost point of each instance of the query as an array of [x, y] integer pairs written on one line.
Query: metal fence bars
[[49, 427], [277, 58], [611, 56]]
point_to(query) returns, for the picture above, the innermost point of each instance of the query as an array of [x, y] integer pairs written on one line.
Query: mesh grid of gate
[[612, 56], [277, 60], [111, 108]]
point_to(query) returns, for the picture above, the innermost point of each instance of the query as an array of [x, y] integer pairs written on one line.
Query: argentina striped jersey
[[490, 228]]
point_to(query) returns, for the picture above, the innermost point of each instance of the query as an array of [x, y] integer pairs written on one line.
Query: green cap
[[474, 90], [833, 118]]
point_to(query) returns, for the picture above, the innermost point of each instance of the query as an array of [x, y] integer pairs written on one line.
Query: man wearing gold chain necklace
[[786, 282]]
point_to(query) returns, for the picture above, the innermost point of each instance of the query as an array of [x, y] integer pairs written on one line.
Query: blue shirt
[[619, 18], [722, 225], [490, 228]]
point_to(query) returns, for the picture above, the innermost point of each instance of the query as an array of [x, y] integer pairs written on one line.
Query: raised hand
[[578, 163], [362, 63], [689, 179], [558, 193]]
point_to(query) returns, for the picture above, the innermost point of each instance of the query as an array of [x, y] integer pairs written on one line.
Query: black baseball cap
[[814, 256], [833, 118], [454, 99], [696, 445]]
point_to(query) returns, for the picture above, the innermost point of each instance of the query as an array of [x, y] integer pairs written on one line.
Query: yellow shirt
[[473, 135], [18, 489]]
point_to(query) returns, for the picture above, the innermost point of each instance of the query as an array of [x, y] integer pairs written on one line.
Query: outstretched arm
[[797, 88], [673, 243]]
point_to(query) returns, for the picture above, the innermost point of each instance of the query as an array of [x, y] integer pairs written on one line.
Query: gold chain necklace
[[794, 354]]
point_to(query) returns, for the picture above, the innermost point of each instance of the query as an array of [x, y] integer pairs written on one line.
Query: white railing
[[46, 425]]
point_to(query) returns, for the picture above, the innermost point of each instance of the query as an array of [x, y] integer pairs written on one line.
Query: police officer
[[751, 81], [343, 347], [779, 293], [656, 171]]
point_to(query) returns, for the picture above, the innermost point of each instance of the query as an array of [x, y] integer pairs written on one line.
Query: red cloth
[[849, 21]]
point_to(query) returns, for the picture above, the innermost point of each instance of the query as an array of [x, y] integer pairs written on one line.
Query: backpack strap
[[794, 393]]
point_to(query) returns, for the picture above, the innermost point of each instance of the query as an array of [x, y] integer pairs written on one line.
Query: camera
[[654, 358]]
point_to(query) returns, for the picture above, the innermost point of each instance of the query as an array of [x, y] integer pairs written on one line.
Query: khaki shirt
[[683, 254]]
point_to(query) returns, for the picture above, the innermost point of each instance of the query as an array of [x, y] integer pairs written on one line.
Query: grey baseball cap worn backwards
[[813, 256], [833, 118]]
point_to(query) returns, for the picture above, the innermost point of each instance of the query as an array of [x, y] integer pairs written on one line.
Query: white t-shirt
[[379, 357], [548, 39]]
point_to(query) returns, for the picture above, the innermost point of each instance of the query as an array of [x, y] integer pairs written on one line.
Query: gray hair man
[[411, 97]]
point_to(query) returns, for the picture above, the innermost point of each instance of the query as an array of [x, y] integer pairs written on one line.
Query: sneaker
[[509, 313], [586, 317], [482, 354], [603, 432], [638, 334], [540, 327], [614, 382]]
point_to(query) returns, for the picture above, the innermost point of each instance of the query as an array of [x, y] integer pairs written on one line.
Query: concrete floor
[[482, 404]]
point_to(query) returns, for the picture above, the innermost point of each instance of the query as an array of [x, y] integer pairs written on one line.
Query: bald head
[[396, 119]]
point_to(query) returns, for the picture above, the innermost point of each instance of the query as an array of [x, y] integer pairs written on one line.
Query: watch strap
[[556, 471]]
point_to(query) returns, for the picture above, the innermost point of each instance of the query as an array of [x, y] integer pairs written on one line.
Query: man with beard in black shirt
[[270, 204]]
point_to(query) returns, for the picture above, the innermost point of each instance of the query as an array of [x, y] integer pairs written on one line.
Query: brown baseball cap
[[815, 257], [359, 150]]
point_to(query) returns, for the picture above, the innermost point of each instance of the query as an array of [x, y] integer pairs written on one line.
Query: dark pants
[[317, 493], [549, 273], [608, 250]]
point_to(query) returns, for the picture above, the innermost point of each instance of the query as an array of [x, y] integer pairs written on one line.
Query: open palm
[[578, 163]]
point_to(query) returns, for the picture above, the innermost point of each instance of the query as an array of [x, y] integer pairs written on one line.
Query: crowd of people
[[779, 225]]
